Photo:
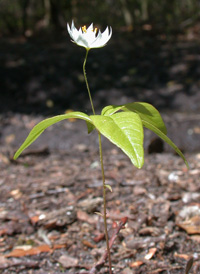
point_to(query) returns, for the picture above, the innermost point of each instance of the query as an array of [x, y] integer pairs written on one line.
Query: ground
[[49, 196]]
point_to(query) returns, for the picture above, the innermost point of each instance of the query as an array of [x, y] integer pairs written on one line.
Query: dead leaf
[[33, 251], [151, 253], [88, 244]]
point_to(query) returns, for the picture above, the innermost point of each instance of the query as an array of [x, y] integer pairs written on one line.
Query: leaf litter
[[58, 195]]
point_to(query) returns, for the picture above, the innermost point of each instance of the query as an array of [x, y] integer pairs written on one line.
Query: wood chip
[[68, 261], [21, 252], [191, 226], [136, 264]]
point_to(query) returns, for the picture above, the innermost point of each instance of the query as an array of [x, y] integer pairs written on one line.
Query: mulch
[[49, 200]]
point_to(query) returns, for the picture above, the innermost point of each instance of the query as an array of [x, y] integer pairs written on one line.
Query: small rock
[[190, 211], [68, 261], [173, 177], [190, 196]]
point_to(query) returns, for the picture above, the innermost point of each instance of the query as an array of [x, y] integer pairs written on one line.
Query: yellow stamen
[[84, 29], [95, 30]]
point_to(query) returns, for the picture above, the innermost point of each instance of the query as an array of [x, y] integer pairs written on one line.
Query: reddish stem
[[102, 260]]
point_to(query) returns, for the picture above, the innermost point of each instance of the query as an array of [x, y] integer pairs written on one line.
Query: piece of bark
[[58, 218]]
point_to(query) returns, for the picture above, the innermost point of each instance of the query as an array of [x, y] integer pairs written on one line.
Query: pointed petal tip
[[90, 26], [110, 31]]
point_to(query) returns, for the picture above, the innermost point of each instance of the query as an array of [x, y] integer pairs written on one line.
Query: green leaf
[[39, 128], [125, 130], [90, 127], [109, 187], [109, 110], [150, 118], [147, 114], [166, 139]]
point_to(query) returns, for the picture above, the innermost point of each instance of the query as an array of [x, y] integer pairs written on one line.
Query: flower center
[[85, 30]]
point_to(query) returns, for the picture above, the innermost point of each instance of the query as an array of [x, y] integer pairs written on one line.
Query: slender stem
[[102, 168], [86, 81], [104, 203]]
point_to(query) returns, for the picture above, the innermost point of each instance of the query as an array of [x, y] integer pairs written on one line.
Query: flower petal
[[102, 38], [89, 38], [90, 28]]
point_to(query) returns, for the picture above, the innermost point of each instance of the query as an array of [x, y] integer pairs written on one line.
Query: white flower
[[89, 38]]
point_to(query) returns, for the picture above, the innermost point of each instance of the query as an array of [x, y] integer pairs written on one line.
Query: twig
[[104, 256], [189, 265]]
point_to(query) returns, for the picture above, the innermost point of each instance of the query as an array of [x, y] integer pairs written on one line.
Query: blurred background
[[29, 16], [153, 56]]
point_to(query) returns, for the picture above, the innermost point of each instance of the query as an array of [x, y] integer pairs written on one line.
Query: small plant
[[122, 125]]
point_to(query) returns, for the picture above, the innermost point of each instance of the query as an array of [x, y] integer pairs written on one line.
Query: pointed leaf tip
[[40, 127], [109, 187]]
